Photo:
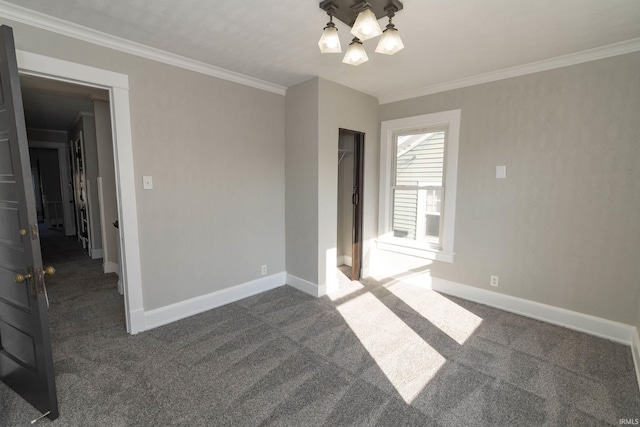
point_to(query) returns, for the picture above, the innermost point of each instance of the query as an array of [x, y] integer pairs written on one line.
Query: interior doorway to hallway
[[117, 84], [72, 157]]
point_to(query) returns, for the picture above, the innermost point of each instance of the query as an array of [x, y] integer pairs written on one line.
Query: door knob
[[49, 270], [23, 231], [20, 278]]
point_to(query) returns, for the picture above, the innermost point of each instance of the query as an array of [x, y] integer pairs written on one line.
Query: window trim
[[389, 128]]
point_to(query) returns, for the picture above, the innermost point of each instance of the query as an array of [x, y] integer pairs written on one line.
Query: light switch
[[147, 182], [501, 171]]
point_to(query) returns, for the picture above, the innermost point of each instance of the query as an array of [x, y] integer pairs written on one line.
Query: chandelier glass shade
[[356, 54], [329, 41], [390, 42], [366, 26], [362, 17]]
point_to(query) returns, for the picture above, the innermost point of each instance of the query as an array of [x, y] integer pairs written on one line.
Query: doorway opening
[[117, 85], [350, 203], [72, 160]]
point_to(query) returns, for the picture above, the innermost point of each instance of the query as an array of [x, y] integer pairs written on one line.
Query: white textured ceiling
[[276, 41]]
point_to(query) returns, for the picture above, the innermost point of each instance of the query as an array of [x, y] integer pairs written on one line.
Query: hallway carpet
[[380, 353]]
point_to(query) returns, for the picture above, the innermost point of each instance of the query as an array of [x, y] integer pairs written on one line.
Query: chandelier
[[362, 17]]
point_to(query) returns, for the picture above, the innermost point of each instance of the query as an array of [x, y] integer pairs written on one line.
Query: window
[[417, 185], [418, 173]]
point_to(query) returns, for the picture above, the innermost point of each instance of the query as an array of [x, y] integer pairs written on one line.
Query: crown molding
[[602, 52], [65, 28]]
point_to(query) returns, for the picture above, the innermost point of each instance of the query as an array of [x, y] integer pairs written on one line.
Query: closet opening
[[350, 202]]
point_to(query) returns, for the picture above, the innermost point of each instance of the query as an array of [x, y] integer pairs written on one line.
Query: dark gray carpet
[[383, 353]]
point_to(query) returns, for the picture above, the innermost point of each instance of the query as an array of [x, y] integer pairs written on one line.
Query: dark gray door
[[358, 182], [26, 364]]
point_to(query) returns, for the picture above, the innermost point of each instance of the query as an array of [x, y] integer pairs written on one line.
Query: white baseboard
[[635, 352], [111, 267], [597, 326], [305, 286], [96, 253], [136, 322], [171, 313]]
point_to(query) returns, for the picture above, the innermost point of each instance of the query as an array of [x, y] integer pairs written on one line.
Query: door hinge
[[34, 232]]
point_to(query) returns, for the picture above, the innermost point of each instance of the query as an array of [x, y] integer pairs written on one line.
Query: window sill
[[414, 249]]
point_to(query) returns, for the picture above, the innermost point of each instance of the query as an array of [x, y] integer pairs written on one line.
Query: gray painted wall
[[316, 110], [211, 221], [301, 162], [106, 171], [563, 228], [342, 107]]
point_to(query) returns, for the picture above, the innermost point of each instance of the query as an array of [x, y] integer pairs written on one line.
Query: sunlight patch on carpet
[[452, 319], [345, 287], [404, 357]]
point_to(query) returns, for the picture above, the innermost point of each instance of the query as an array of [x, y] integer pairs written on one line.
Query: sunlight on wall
[[403, 356], [331, 278], [449, 317], [386, 264]]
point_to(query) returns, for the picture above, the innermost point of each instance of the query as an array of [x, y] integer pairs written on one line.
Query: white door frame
[[118, 86]]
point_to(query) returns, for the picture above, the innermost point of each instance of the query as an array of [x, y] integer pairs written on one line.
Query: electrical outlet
[[494, 281], [147, 182], [264, 270]]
